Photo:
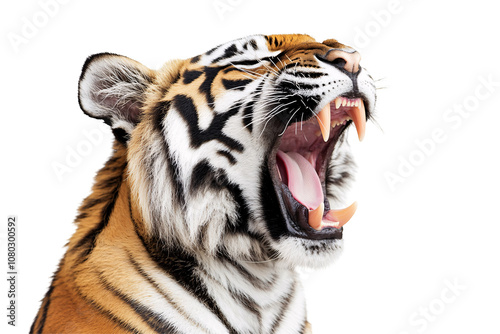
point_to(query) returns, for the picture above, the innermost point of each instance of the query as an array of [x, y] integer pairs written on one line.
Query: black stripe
[[89, 203], [153, 319], [175, 174], [292, 65], [203, 176], [44, 310], [247, 62], [303, 326], [243, 211], [159, 113], [248, 115], [285, 303], [228, 53], [108, 314], [236, 84], [229, 156], [121, 135], [254, 45], [233, 68], [244, 300], [256, 281], [206, 85], [190, 76], [248, 303], [209, 52], [185, 106], [158, 289], [89, 240], [81, 216], [134, 222], [312, 75], [195, 59]]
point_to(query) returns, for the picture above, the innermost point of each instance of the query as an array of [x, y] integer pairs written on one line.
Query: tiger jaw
[[299, 174]]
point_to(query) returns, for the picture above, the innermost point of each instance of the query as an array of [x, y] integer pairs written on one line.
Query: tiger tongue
[[304, 183]]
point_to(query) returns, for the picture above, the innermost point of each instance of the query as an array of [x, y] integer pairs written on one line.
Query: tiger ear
[[112, 88]]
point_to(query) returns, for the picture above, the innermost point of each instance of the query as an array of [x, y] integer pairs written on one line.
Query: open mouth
[[300, 169]]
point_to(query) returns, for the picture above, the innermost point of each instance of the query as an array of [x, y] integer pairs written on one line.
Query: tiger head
[[240, 150]]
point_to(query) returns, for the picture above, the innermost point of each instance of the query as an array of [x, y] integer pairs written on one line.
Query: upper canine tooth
[[324, 120], [358, 116], [338, 102]]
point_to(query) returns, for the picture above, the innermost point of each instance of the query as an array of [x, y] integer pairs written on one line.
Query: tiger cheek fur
[[197, 221]]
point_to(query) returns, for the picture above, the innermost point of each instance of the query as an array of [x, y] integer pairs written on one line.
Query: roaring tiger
[[223, 178]]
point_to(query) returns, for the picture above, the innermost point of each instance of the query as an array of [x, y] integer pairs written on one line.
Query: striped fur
[[180, 233]]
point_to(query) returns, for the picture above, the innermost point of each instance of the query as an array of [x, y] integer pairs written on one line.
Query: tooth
[[356, 102], [324, 119], [338, 102], [315, 217], [344, 102], [342, 215], [358, 116]]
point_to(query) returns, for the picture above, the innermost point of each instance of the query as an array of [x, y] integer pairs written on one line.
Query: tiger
[[225, 171]]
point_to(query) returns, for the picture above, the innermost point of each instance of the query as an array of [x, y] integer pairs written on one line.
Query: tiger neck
[[229, 287], [110, 226]]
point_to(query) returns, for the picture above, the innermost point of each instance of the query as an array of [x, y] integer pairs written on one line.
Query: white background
[[437, 225]]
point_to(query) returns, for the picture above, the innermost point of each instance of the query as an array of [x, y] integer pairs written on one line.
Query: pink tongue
[[303, 181]]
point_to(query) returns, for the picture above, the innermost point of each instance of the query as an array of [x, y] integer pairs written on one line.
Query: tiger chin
[[226, 174]]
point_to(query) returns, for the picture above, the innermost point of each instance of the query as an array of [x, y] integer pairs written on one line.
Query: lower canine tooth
[[343, 215], [315, 217]]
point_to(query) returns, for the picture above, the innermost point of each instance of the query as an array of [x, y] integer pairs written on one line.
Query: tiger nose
[[347, 59]]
